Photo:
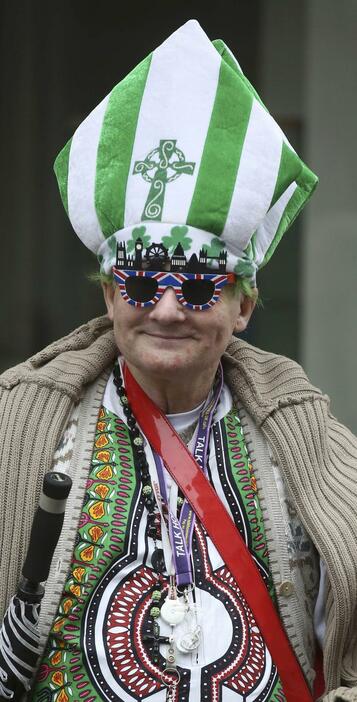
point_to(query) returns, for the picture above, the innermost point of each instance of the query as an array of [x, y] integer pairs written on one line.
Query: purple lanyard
[[181, 530]]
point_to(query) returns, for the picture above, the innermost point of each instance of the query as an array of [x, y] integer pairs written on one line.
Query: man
[[182, 184]]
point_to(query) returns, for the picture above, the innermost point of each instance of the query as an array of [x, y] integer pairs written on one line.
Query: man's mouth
[[167, 336]]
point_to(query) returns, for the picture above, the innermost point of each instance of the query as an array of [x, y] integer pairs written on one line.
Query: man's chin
[[163, 362]]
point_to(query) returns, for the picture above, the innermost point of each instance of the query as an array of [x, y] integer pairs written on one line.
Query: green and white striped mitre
[[183, 151]]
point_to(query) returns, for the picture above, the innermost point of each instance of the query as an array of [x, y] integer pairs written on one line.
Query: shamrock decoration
[[138, 233], [245, 266], [213, 249], [177, 236], [112, 243], [244, 269]]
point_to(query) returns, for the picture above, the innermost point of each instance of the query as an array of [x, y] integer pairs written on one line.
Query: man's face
[[167, 338]]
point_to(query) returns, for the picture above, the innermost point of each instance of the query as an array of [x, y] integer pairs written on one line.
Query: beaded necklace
[[153, 522], [177, 606]]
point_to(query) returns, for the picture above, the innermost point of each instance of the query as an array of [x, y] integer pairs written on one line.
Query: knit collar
[[261, 381]]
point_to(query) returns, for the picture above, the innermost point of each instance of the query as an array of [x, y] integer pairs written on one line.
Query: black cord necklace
[[152, 635]]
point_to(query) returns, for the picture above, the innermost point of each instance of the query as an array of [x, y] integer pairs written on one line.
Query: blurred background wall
[[59, 59]]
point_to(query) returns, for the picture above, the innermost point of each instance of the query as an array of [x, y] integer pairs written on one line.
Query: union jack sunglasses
[[197, 291]]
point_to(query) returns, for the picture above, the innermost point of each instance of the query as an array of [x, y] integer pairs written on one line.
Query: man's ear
[[247, 305], [109, 292]]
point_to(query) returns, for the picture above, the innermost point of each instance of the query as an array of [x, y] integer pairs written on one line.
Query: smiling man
[[209, 543], [172, 349]]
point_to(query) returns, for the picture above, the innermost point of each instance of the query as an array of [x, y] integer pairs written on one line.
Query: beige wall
[[276, 327], [309, 74], [329, 283]]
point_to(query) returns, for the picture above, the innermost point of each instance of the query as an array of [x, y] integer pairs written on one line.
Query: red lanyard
[[223, 532]]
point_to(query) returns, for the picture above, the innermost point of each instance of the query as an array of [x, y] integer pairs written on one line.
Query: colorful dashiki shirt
[[96, 648]]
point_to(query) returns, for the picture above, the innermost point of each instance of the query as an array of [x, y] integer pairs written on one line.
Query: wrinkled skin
[[172, 351]]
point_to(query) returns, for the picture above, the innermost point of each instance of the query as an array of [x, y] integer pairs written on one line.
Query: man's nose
[[168, 309]]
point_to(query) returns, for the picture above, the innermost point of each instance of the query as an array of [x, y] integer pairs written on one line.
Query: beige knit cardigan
[[316, 455]]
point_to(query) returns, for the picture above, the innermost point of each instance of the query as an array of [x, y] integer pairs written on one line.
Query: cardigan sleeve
[[343, 457], [36, 398], [342, 694], [31, 421], [318, 458]]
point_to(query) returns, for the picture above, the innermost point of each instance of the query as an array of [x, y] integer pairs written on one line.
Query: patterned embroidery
[[246, 667], [246, 492], [161, 166], [101, 538], [96, 648]]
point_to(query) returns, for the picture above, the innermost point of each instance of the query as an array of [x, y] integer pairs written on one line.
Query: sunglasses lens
[[198, 292], [141, 289]]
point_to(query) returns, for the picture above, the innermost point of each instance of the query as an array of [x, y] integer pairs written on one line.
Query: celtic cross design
[[161, 166]]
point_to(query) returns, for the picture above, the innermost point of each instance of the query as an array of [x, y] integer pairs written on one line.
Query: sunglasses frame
[[175, 282]]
